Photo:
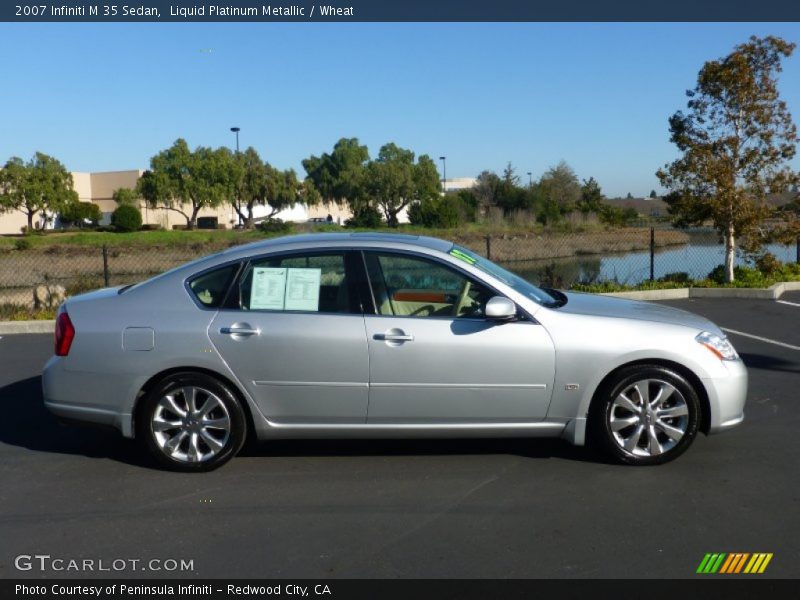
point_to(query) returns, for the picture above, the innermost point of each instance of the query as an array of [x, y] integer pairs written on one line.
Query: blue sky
[[108, 97]]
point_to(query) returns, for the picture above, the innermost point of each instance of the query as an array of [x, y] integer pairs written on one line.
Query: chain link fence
[[38, 278], [624, 256]]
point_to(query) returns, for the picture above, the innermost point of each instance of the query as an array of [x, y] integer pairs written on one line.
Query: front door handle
[[394, 337], [239, 331]]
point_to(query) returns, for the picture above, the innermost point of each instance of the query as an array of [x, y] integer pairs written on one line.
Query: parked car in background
[[378, 335]]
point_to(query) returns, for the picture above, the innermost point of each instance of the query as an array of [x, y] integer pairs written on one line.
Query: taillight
[[65, 333]]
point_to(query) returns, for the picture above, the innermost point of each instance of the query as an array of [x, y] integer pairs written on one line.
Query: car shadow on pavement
[[524, 447], [28, 424], [769, 363]]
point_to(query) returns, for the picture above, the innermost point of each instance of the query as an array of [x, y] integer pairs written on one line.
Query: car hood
[[622, 308]]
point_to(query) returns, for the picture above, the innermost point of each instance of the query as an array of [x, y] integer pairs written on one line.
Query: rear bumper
[[86, 397], [726, 397]]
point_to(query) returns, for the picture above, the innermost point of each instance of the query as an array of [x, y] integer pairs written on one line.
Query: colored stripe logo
[[462, 256], [734, 563]]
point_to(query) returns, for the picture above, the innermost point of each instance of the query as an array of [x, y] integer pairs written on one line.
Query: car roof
[[342, 239]]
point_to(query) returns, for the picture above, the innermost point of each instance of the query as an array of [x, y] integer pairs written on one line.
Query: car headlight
[[718, 345]]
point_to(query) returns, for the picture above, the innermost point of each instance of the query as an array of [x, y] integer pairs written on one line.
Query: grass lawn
[[136, 238]]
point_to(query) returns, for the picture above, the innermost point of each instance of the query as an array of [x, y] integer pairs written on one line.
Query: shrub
[[126, 218], [441, 213], [365, 216], [84, 283], [679, 277], [275, 226], [22, 244], [768, 264]]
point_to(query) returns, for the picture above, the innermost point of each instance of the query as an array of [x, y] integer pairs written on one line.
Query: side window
[[210, 288], [307, 282], [410, 286]]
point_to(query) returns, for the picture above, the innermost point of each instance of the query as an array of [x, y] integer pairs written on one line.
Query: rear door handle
[[239, 331], [393, 337]]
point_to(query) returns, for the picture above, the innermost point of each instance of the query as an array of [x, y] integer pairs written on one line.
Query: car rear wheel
[[647, 415], [191, 422]]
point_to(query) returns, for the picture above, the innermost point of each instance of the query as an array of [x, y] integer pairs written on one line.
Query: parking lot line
[[787, 302], [761, 339]]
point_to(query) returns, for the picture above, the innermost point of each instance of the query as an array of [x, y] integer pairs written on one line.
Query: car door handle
[[239, 331], [394, 337]]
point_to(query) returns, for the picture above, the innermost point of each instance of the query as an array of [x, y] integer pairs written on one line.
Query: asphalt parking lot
[[499, 508]]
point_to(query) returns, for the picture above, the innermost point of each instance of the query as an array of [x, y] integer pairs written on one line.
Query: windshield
[[526, 288]]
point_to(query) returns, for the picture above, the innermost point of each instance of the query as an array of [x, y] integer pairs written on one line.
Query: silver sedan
[[378, 335]]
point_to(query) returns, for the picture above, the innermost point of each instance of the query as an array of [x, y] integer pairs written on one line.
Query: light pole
[[530, 181], [444, 174], [236, 130]]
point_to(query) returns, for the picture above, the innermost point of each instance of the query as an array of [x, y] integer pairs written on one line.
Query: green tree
[[126, 196], [284, 190], [179, 177], [617, 216], [262, 184], [592, 198], [653, 194], [559, 185], [510, 196], [77, 213], [339, 176], [487, 191], [40, 185], [736, 139], [394, 180]]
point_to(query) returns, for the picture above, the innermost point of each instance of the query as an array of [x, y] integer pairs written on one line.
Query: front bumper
[[726, 397]]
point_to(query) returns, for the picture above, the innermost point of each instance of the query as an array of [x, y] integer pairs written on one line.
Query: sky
[[105, 97]]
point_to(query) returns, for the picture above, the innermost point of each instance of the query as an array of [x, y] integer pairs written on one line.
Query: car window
[[303, 282], [536, 294], [411, 286], [210, 287]]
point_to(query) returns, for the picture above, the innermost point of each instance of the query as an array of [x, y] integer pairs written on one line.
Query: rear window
[[211, 287]]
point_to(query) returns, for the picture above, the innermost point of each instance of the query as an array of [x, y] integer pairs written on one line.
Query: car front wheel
[[191, 422], [646, 415]]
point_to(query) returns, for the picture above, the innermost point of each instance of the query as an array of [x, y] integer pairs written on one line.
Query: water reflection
[[697, 258]]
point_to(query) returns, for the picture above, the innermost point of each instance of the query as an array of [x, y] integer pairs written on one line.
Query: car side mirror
[[500, 308]]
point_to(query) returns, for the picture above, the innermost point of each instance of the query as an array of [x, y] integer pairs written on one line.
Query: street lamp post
[[530, 180], [236, 130], [444, 174]]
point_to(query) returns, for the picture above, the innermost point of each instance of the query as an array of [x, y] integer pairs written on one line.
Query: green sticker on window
[[462, 256]]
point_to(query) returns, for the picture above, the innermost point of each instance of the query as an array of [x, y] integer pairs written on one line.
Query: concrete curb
[[15, 327], [771, 293]]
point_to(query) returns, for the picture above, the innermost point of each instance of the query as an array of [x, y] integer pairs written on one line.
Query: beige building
[[99, 188], [459, 183]]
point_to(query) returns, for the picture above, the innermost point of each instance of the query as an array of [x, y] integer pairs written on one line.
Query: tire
[[191, 422], [652, 435]]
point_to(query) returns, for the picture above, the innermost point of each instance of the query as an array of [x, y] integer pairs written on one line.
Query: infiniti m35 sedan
[[379, 335]]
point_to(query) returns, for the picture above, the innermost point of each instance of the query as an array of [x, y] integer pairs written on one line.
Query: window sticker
[[462, 256], [268, 289], [302, 289]]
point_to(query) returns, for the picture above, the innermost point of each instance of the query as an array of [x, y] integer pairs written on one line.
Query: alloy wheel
[[191, 424], [648, 418]]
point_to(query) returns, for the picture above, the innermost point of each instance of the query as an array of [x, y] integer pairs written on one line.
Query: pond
[[697, 258]]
